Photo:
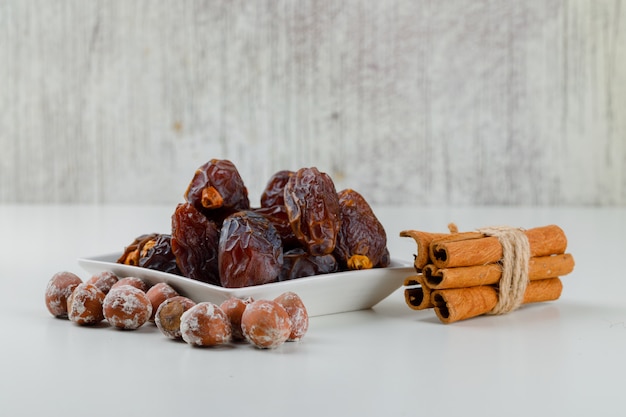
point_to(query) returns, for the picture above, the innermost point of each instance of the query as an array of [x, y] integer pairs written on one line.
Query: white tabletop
[[566, 357]]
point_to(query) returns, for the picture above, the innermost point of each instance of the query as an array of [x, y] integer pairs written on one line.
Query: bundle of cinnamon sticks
[[460, 275]]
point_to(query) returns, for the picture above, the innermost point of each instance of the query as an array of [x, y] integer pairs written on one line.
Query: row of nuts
[[128, 303]]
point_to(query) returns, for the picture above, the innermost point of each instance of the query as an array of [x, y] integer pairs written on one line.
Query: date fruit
[[250, 251], [159, 256], [217, 190], [134, 251], [362, 241], [313, 210], [277, 215], [195, 241], [298, 263], [273, 207], [274, 192]]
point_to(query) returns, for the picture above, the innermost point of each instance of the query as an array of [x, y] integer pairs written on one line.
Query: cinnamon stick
[[424, 239], [457, 304], [540, 267], [543, 241], [416, 294]]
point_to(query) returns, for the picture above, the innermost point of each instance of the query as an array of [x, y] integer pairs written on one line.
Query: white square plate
[[322, 294]]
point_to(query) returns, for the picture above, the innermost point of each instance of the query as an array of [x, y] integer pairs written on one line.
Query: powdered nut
[[127, 307], [167, 317], [84, 306], [205, 324], [298, 315], [58, 290], [266, 324]]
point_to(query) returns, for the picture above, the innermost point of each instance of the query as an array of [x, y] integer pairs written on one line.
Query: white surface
[[323, 294], [565, 358]]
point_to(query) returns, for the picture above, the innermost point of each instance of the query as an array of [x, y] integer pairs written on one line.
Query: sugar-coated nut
[[159, 293], [58, 290], [127, 307], [297, 314], [84, 305], [104, 280], [167, 317], [266, 324], [205, 324], [133, 282], [234, 308]]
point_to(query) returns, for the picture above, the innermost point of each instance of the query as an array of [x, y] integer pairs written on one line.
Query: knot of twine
[[515, 258]]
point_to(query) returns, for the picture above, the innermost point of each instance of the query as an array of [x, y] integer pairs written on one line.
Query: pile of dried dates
[[303, 227]]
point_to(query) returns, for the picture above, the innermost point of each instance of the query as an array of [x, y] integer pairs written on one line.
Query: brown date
[[274, 192], [362, 241], [159, 256], [277, 215], [194, 244], [217, 190], [298, 263], [313, 210], [250, 251], [138, 248], [385, 260]]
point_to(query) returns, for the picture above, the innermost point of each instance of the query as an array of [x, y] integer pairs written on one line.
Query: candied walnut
[[250, 251], [159, 256], [195, 244], [274, 192], [217, 185], [362, 241], [298, 263], [134, 251], [313, 210]]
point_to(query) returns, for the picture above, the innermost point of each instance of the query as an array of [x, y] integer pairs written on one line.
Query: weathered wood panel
[[409, 102]]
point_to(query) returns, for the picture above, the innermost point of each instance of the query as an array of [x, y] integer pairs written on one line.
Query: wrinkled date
[[362, 241], [385, 260], [138, 248], [302, 228], [313, 210], [160, 256], [273, 208], [298, 263], [194, 243], [274, 192], [250, 251], [277, 215], [217, 190]]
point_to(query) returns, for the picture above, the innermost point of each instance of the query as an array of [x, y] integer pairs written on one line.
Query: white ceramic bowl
[[322, 294]]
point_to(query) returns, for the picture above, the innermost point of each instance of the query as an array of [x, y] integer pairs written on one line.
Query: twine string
[[515, 258]]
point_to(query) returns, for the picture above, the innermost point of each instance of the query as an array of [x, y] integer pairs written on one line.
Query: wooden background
[[419, 102]]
